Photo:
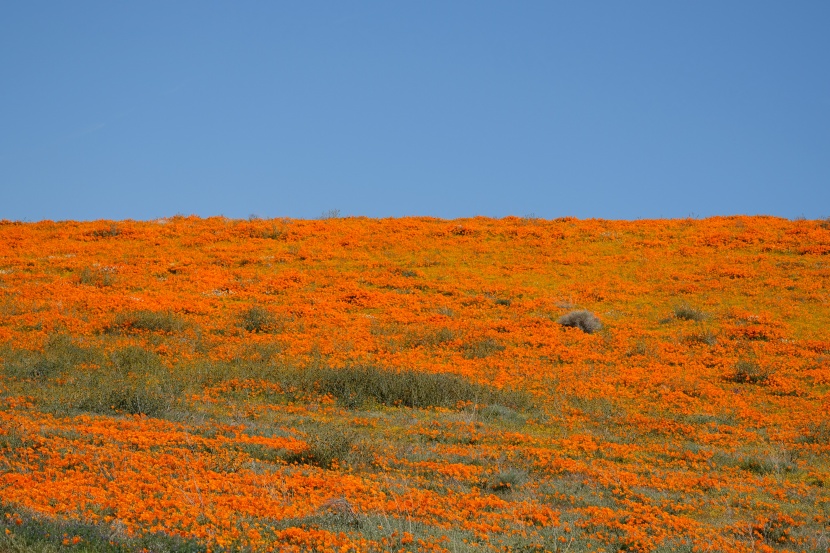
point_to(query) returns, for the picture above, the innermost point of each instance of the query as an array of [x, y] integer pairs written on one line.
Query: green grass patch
[[749, 371], [22, 531], [686, 312], [482, 348], [150, 321], [72, 378], [431, 339], [132, 380], [357, 386], [59, 355], [329, 446], [100, 278], [258, 319]]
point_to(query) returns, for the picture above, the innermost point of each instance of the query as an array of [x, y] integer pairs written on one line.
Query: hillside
[[406, 384]]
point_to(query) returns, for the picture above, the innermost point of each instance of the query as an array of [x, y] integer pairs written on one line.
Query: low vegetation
[[257, 319], [686, 312], [348, 384], [146, 320], [583, 320]]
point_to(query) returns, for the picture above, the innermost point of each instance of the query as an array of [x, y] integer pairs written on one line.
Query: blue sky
[[618, 110]]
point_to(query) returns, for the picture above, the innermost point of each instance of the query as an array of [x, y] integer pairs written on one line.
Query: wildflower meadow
[[422, 385]]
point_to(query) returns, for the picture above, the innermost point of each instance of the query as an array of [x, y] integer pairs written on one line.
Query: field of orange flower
[[359, 384]]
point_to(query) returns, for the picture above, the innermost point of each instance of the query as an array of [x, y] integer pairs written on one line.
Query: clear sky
[[619, 110]]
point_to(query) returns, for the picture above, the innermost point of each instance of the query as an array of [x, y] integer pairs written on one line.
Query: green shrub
[[703, 336], [134, 381], [328, 446], [152, 321], [775, 529], [28, 365], [257, 319], [96, 277], [108, 232], [341, 513], [274, 233], [686, 312], [430, 339], [120, 395], [39, 534], [581, 319], [355, 386], [60, 354], [482, 348], [506, 480], [749, 371], [134, 359], [775, 462], [640, 347], [817, 433], [496, 412], [261, 452], [11, 440], [446, 311]]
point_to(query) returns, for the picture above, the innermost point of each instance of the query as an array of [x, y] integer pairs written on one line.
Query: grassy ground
[[415, 385]]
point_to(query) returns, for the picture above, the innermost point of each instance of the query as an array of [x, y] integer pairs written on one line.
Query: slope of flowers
[[153, 381]]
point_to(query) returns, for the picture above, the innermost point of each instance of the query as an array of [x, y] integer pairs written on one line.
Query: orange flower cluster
[[697, 418]]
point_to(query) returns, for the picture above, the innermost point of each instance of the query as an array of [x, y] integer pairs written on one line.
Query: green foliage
[[584, 320], [355, 386], [120, 395], [430, 339], [11, 440], [506, 480], [496, 412], [772, 460], [686, 312], [775, 529], [257, 319], [329, 446], [748, 371], [77, 378], [756, 465], [60, 354], [134, 381], [482, 348], [107, 232], [817, 433], [96, 277], [640, 348], [445, 311], [702, 336], [151, 321], [262, 453], [37, 534], [275, 232]]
